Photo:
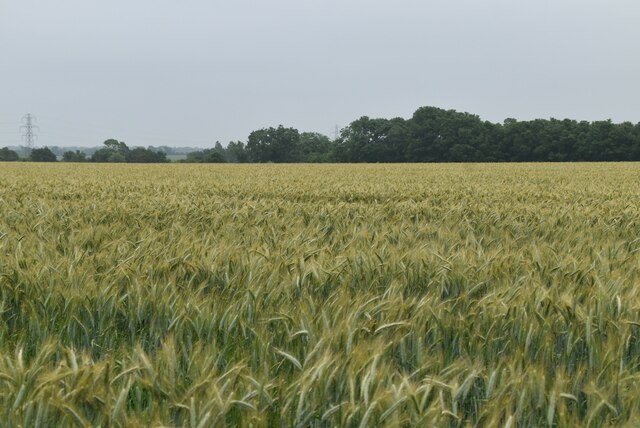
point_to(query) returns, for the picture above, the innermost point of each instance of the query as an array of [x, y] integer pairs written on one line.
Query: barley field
[[320, 295]]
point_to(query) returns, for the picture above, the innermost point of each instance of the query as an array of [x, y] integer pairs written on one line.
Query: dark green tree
[[116, 146], [113, 151], [43, 155], [117, 157], [77, 156], [237, 152], [101, 155], [428, 143], [8, 155], [142, 155], [214, 155], [314, 147], [274, 145], [374, 140]]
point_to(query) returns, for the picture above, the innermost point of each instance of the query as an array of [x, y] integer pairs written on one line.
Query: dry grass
[[368, 295]]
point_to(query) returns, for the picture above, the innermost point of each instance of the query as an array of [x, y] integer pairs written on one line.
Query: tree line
[[430, 135], [113, 151], [437, 135]]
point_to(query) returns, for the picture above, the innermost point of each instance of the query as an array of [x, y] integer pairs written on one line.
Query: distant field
[[174, 158], [322, 295]]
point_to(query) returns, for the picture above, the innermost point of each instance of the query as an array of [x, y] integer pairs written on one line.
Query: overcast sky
[[190, 72]]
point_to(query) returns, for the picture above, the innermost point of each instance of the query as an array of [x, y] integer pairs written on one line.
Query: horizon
[[225, 143]]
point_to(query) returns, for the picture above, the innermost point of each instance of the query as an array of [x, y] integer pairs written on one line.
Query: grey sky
[[153, 72]]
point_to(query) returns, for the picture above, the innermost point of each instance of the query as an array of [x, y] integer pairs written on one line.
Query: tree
[[237, 152], [427, 142], [113, 151], [116, 146], [374, 140], [77, 156], [142, 155], [214, 155], [43, 155], [314, 147], [435, 132], [101, 155], [8, 155], [274, 145], [116, 157], [364, 140], [464, 153], [517, 141]]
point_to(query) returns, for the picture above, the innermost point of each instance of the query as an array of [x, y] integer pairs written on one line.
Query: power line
[[28, 130]]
